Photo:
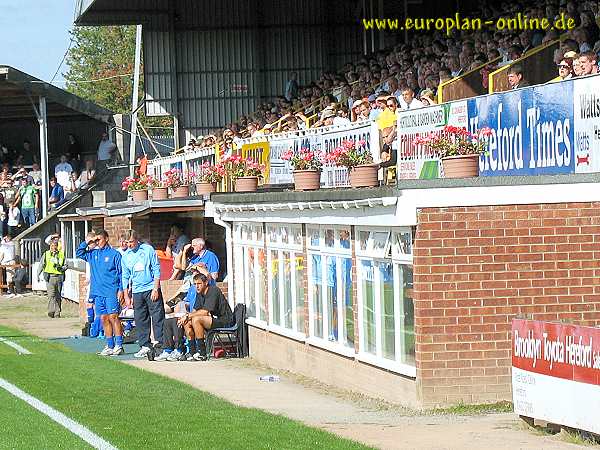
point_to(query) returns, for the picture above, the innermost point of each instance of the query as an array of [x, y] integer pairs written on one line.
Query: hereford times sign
[[556, 373]]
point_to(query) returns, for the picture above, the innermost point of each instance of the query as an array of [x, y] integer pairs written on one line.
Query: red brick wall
[[115, 226], [476, 268]]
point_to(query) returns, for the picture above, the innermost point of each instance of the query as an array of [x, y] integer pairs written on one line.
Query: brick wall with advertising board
[[477, 268]]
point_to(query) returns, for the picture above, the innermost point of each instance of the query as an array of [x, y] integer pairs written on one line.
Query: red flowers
[[210, 173], [350, 155], [138, 183], [237, 167]]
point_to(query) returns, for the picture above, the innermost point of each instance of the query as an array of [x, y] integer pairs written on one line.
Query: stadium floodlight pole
[[134, 98]]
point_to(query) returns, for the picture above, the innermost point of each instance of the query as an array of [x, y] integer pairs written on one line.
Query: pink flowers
[[238, 167], [454, 141], [210, 173], [350, 155], [141, 183], [304, 159]]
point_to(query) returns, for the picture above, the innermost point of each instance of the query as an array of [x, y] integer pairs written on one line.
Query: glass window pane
[[380, 239], [275, 287], [407, 315], [238, 278], [332, 312], [346, 288], [250, 279], [317, 295], [259, 232], [299, 266], [297, 235], [273, 233], [329, 238], [402, 244], [386, 278], [368, 305], [285, 235], [262, 298], [314, 236], [363, 240], [244, 232], [287, 290], [344, 236]]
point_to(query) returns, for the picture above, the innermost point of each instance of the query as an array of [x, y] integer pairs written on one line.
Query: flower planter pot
[[246, 184], [181, 191], [205, 188], [160, 193], [364, 176], [307, 180], [139, 196], [462, 166]]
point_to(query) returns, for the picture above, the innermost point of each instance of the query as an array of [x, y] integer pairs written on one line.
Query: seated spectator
[[409, 101], [211, 310], [87, 176], [173, 347], [57, 193], [565, 70], [588, 63], [176, 242], [515, 77], [62, 171], [193, 254], [427, 97], [6, 180]]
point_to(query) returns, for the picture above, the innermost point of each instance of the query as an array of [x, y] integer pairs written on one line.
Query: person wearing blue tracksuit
[[141, 272], [105, 287]]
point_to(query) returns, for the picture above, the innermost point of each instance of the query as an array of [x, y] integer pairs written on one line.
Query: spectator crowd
[[408, 75]]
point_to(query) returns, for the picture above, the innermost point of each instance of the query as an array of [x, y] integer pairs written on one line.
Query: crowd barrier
[[542, 130]]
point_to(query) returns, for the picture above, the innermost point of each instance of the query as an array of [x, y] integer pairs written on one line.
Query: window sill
[[403, 369], [301, 337], [331, 346], [256, 323]]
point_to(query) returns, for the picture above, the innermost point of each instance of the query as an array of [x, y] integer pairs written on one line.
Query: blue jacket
[[140, 266], [105, 269], [209, 259]]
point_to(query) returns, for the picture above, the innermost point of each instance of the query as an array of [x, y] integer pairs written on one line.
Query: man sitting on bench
[[211, 310]]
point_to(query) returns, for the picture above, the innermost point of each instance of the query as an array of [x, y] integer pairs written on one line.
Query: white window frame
[[390, 255], [294, 248], [254, 240], [338, 252]]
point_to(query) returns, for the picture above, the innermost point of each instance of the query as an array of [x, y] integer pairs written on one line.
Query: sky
[[34, 35]]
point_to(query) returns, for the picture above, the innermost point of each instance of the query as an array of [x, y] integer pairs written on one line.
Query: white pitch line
[[17, 347], [88, 436]]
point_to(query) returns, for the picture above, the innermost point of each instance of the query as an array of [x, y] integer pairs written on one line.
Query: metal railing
[[31, 252]]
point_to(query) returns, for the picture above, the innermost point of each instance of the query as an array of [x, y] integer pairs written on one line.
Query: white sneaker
[[106, 352], [163, 356], [142, 353], [9, 295], [199, 357], [118, 350], [175, 355]]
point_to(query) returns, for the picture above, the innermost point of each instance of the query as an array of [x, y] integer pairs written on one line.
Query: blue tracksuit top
[[140, 266], [105, 269]]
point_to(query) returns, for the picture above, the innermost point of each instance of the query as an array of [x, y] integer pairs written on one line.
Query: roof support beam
[[43, 121]]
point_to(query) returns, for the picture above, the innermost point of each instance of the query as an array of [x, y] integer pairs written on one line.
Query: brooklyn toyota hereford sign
[[556, 373]]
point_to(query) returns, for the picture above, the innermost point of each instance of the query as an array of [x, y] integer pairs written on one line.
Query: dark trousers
[[145, 309], [172, 334]]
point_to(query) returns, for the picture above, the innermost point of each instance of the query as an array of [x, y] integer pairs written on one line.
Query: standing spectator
[[52, 265], [177, 241], [62, 171], [7, 258], [36, 174], [28, 157], [74, 152], [141, 270], [105, 288], [106, 151], [57, 193], [14, 220], [123, 247], [29, 201], [3, 216], [87, 176], [291, 87], [20, 276]]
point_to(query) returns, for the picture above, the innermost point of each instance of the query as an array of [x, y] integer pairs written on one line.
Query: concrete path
[[366, 421]]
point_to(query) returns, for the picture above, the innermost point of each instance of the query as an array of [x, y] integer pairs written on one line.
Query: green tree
[[105, 54]]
